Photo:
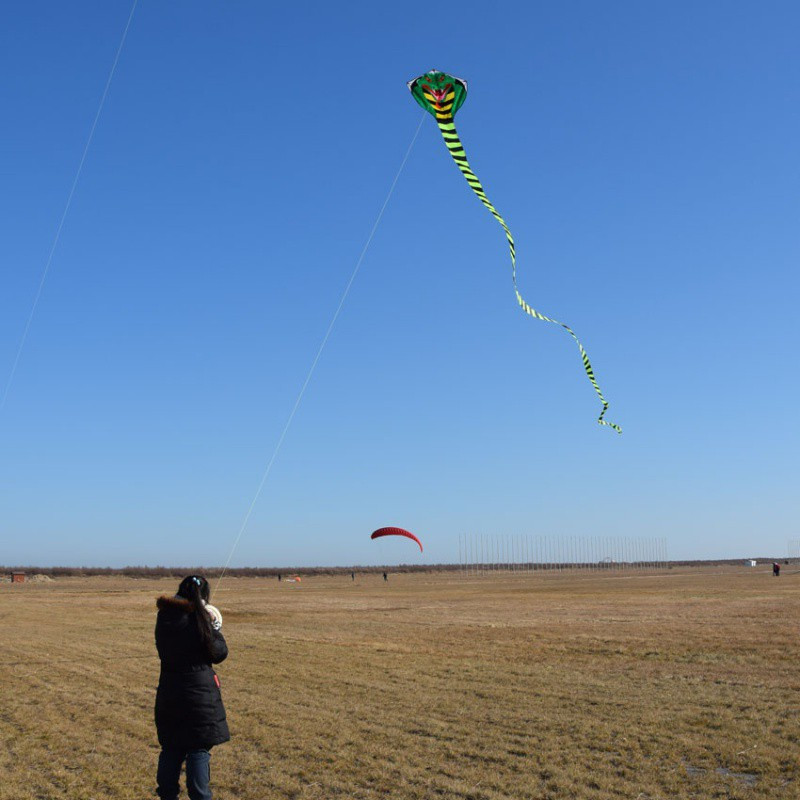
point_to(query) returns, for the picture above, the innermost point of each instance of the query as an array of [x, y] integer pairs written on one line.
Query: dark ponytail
[[196, 590]]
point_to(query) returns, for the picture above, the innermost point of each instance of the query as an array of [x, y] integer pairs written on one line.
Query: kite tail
[[448, 129]]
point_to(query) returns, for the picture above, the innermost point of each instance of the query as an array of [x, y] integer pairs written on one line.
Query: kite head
[[439, 93]]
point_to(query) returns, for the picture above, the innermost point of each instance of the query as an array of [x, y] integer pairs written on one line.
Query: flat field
[[670, 684]]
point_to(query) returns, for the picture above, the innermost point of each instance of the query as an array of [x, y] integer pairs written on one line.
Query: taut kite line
[[442, 95]]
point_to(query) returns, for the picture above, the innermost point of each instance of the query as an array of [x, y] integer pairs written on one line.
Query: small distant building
[[750, 562], [17, 577]]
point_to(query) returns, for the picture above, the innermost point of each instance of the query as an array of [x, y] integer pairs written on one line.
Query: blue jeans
[[198, 774]]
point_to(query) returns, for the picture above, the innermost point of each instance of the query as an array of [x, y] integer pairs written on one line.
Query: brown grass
[[669, 685]]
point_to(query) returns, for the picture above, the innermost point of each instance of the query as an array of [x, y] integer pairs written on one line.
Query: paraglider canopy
[[396, 532]]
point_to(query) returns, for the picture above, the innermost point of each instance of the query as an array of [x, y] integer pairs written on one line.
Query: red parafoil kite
[[395, 532]]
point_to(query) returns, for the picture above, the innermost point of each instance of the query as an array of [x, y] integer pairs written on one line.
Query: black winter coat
[[189, 710]]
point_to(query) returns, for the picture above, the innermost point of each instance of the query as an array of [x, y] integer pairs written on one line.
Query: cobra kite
[[396, 532], [442, 95]]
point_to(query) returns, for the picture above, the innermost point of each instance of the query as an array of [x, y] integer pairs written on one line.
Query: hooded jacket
[[189, 710]]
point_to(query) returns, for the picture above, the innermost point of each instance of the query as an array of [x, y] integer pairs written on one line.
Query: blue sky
[[644, 156]]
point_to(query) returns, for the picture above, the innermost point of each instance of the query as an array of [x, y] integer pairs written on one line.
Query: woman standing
[[190, 717]]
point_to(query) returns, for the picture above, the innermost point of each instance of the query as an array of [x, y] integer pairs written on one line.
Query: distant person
[[352, 576], [776, 569], [385, 576], [279, 577], [190, 717]]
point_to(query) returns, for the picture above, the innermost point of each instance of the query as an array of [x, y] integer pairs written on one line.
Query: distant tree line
[[272, 572], [214, 572]]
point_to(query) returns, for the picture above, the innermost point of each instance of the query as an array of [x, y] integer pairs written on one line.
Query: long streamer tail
[[448, 129]]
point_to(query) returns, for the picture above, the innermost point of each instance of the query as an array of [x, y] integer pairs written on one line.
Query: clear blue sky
[[645, 156]]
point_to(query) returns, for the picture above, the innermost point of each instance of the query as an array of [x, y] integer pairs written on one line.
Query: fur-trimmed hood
[[174, 603]]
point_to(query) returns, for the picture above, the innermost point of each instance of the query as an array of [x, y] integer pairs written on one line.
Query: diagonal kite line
[[65, 212], [319, 354]]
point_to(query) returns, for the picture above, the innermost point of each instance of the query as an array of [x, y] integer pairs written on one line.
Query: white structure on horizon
[[750, 562]]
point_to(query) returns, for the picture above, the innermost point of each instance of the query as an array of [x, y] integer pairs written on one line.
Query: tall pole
[[472, 554]]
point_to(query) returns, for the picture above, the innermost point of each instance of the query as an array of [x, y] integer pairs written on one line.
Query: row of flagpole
[[484, 553]]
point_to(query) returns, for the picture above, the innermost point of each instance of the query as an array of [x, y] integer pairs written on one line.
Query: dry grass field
[[680, 683]]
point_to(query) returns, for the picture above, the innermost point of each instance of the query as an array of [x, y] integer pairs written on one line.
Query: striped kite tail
[[444, 120]]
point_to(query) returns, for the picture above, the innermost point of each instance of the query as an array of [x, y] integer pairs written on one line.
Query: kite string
[[319, 353], [66, 210]]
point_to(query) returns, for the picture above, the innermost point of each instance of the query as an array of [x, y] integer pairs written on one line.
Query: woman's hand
[[216, 616]]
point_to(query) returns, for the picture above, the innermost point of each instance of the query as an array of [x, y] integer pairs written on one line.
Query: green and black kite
[[442, 95]]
